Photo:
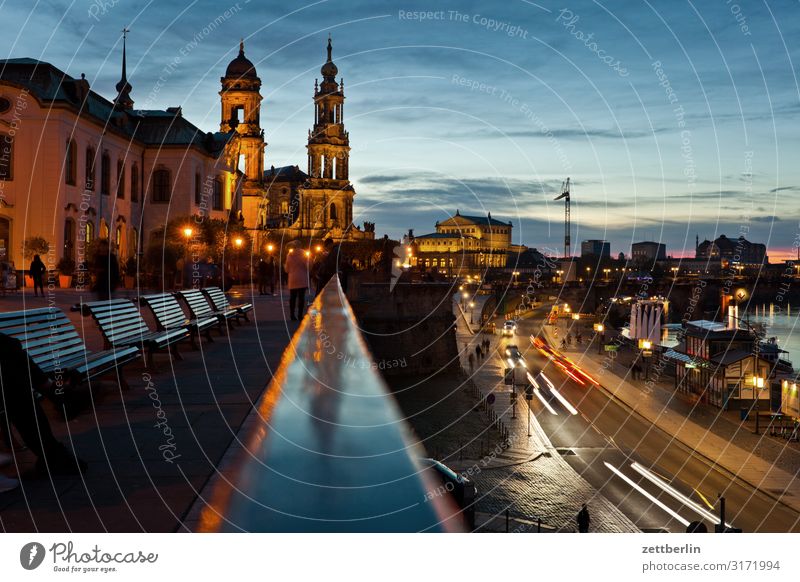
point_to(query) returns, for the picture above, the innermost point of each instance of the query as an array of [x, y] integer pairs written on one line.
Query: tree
[[35, 245]]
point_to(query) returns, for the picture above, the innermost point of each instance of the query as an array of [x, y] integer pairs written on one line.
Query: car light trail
[[533, 381], [694, 506], [622, 476], [544, 402], [564, 401]]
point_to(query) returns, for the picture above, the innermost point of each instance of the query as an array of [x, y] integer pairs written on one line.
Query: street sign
[[508, 376], [611, 347]]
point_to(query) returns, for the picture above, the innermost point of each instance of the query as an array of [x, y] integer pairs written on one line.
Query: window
[[69, 239], [333, 212], [120, 179], [89, 231], [118, 237], [135, 183], [71, 163], [89, 170], [6, 157], [105, 174], [161, 179], [217, 200], [198, 188]]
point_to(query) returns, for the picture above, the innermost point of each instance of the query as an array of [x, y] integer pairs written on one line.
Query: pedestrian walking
[[264, 276], [478, 353], [584, 519], [471, 360], [37, 271], [297, 268]]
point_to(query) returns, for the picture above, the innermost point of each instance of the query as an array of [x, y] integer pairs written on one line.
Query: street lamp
[[238, 242], [187, 233], [600, 328], [758, 385]]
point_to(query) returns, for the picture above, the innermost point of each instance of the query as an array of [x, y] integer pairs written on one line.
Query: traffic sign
[[611, 347], [490, 399]]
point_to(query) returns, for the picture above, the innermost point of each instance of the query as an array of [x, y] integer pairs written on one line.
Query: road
[[603, 433]]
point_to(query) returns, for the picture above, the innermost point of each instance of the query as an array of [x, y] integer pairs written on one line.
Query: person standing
[[37, 271], [263, 269], [583, 519], [297, 269]]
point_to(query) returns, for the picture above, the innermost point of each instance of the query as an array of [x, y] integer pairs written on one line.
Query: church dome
[[241, 67]]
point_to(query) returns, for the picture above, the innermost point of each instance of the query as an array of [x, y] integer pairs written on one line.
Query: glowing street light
[[188, 232]]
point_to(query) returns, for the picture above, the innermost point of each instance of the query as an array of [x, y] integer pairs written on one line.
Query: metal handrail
[[327, 448]]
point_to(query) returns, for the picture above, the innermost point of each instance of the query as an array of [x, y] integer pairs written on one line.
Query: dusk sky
[[672, 119]]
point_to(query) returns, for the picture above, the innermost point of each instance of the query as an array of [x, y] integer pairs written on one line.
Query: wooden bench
[[199, 307], [53, 343], [220, 302], [169, 315], [122, 325]]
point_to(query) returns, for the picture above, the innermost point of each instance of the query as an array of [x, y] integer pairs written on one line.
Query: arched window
[[161, 185], [105, 174], [120, 179], [69, 239], [134, 242], [89, 231], [334, 216], [217, 200], [103, 229], [118, 237], [6, 157], [135, 183], [71, 163], [89, 169], [5, 234]]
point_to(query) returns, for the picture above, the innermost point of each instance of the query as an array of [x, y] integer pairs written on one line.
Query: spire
[[123, 87], [241, 47], [329, 70], [330, 48]]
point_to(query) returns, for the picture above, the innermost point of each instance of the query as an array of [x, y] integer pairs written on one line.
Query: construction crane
[[565, 195]]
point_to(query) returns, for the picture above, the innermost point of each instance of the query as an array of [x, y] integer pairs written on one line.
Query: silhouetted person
[[37, 270], [20, 377], [325, 265], [478, 353], [583, 519], [106, 269], [266, 276]]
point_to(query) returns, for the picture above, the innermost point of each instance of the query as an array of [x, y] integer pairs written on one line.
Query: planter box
[[65, 281]]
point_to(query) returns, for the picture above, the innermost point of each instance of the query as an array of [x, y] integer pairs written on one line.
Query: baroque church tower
[[327, 196], [241, 112]]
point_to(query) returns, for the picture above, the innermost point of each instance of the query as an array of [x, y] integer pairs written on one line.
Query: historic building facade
[[464, 245], [287, 203], [75, 166]]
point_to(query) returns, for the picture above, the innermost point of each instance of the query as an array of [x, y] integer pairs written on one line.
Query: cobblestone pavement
[[530, 479]]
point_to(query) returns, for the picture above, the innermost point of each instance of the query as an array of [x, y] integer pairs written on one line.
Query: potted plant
[[66, 269], [34, 245], [131, 267]]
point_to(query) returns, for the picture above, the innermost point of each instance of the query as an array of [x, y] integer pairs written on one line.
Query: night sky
[[673, 119]]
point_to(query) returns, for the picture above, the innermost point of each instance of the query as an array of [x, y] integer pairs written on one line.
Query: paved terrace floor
[[124, 436]]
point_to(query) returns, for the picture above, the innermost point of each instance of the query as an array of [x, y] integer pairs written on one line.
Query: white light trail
[[693, 505], [544, 402], [622, 476]]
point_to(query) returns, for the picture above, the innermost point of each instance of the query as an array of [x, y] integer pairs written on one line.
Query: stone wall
[[410, 329]]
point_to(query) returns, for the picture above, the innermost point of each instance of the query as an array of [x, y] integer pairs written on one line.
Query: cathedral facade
[[287, 203]]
